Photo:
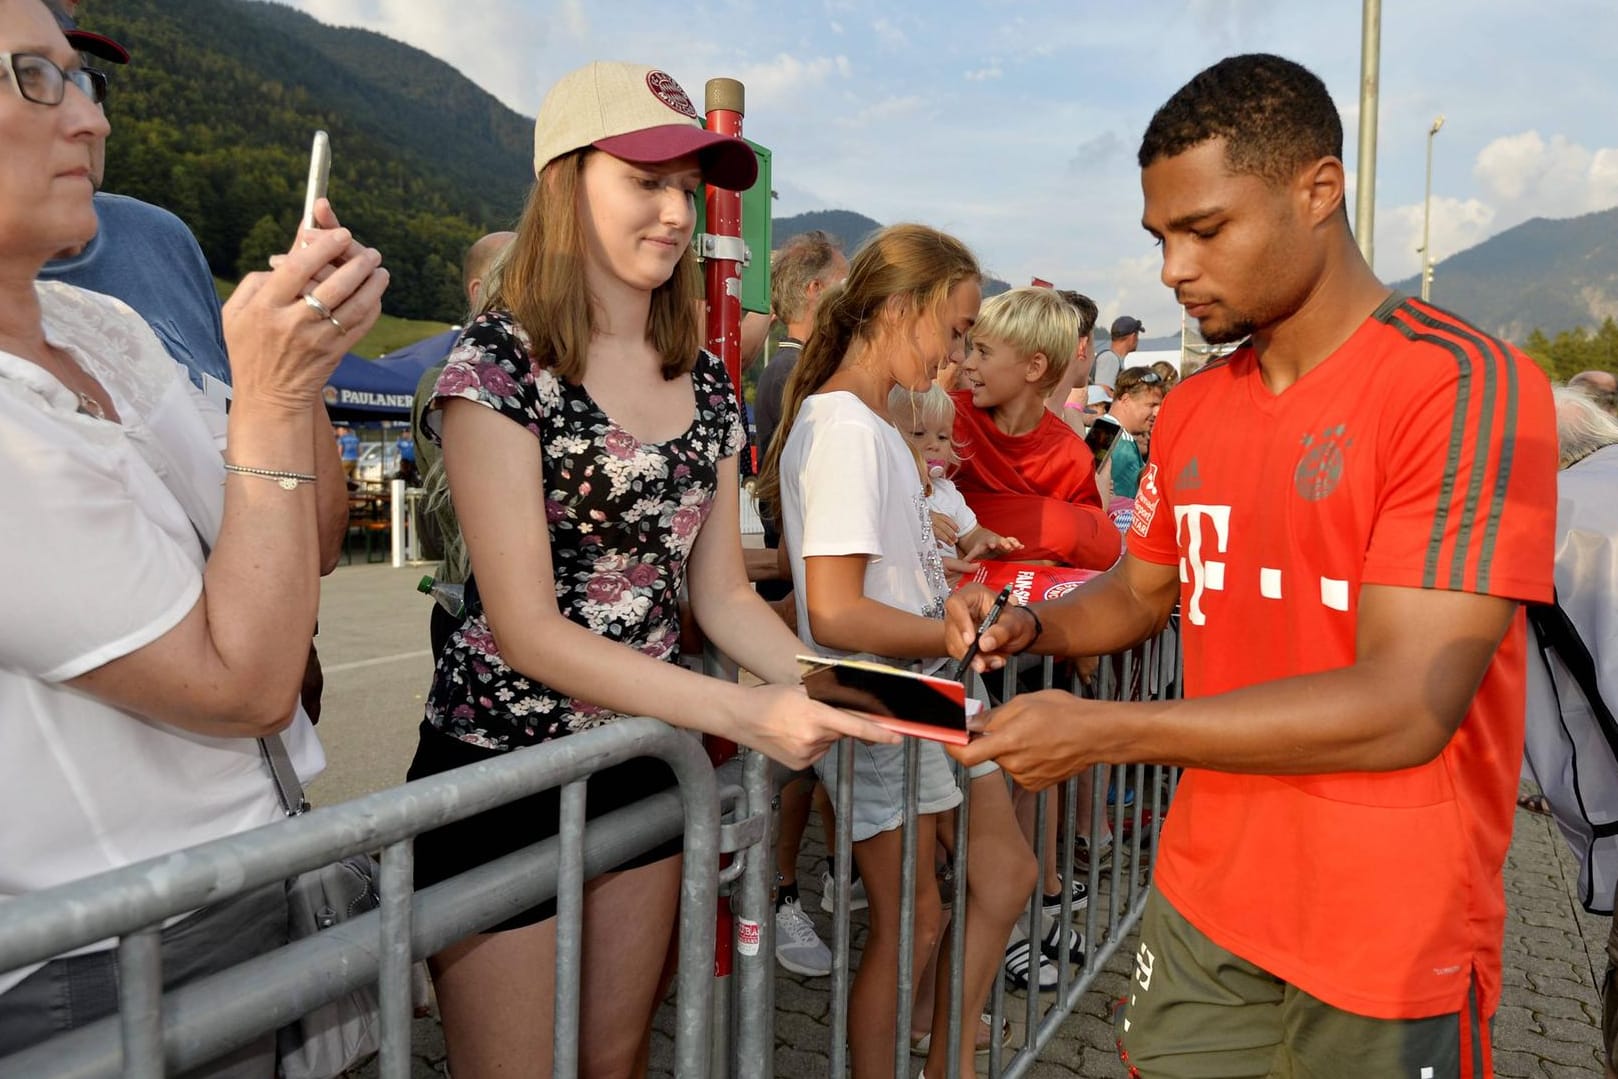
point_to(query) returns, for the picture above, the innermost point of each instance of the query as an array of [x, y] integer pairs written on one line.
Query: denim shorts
[[879, 778]]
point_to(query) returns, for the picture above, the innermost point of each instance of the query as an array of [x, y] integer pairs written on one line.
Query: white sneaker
[[828, 894], [797, 946]]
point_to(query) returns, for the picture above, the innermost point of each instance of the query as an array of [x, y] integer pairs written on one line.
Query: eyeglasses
[[39, 80]]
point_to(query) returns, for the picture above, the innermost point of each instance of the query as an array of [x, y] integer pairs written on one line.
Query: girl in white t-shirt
[[926, 419], [867, 576]]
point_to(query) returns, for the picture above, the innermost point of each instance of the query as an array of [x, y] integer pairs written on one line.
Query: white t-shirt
[[849, 485], [103, 558], [948, 500]]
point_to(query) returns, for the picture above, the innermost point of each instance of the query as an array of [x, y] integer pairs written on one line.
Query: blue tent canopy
[[363, 389], [413, 360]]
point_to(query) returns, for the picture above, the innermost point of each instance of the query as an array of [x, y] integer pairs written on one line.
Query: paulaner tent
[[360, 389]]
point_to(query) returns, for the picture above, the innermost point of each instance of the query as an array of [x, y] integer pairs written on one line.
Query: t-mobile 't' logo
[[1198, 570]]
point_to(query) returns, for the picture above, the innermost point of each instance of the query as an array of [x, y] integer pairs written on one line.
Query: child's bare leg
[[1001, 875], [873, 998]]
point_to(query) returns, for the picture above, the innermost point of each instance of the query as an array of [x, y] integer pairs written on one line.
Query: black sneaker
[[1081, 898]]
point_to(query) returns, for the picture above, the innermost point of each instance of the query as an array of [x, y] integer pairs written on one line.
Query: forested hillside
[[213, 117]]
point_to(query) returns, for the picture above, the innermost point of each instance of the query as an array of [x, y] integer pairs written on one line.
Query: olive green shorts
[[1197, 1011]]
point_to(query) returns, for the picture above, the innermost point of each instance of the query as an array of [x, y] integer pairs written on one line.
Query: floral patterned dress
[[623, 516]]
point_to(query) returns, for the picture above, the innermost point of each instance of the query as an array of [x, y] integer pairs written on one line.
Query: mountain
[[1543, 274], [212, 119], [851, 229]]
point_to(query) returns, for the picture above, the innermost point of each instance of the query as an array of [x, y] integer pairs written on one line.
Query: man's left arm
[[1420, 658]]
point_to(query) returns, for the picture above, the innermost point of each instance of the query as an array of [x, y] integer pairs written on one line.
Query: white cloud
[[888, 32], [1457, 224], [1529, 175], [785, 79], [983, 74]]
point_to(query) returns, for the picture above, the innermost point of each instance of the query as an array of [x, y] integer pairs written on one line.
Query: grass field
[[388, 334]]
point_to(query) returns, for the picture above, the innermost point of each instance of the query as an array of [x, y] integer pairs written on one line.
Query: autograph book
[[902, 701]]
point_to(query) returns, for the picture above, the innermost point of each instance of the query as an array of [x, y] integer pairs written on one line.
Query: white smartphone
[[319, 169]]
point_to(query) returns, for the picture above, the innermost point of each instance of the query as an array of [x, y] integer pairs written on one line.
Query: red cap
[[727, 161], [99, 45]]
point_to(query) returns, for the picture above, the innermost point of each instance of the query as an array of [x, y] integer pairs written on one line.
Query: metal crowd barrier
[[725, 1026], [156, 1033], [1116, 892]]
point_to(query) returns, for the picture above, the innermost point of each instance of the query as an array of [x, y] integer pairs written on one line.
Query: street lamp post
[[1427, 215]]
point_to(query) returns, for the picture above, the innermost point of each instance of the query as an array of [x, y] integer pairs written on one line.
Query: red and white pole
[[722, 248]]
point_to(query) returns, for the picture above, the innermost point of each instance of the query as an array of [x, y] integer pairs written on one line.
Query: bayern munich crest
[[1320, 469], [666, 90]]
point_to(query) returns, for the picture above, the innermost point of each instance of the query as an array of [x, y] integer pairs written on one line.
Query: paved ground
[[373, 641]]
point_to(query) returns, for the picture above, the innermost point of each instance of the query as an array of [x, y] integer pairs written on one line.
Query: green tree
[[267, 237], [1572, 351]]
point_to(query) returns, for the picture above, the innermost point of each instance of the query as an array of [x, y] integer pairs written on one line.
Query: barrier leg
[[140, 1002]]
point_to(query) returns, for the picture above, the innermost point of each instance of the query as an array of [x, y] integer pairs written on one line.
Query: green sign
[[756, 210]]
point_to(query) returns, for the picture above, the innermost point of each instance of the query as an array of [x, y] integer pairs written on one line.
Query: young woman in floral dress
[[590, 445]]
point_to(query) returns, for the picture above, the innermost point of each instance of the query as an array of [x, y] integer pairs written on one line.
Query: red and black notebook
[[900, 700], [1029, 584]]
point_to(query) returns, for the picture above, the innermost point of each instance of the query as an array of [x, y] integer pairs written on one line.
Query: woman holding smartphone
[[590, 445]]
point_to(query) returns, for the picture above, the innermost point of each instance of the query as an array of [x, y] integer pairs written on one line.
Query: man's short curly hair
[[1274, 115]]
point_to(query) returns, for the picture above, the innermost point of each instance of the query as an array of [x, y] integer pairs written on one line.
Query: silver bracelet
[[288, 480]]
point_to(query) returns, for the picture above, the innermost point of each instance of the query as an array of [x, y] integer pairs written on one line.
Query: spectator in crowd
[[801, 270], [1134, 410], [1126, 332], [167, 586], [441, 538], [1349, 521], [590, 444], [1069, 397], [1024, 472], [867, 577], [348, 451], [926, 418], [405, 447], [179, 304], [1602, 386], [1568, 752], [1168, 372]]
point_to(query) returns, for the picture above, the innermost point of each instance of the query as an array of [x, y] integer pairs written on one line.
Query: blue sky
[[1015, 124]]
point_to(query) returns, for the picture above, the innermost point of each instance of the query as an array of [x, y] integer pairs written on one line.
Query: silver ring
[[322, 310], [314, 303]]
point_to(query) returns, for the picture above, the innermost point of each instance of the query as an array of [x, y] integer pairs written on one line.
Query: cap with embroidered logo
[[639, 114]]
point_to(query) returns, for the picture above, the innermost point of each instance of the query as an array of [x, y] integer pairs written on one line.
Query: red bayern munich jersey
[[1420, 454]]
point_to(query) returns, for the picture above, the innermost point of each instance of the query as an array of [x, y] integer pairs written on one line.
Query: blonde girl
[[868, 578]]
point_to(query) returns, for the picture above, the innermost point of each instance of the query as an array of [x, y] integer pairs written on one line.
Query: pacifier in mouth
[[935, 468]]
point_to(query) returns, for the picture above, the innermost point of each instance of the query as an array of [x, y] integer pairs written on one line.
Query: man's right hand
[[965, 610]]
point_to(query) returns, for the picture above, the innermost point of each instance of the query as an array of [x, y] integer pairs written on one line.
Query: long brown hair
[[914, 264], [540, 280]]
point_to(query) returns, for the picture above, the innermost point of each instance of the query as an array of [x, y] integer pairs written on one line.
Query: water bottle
[[448, 595]]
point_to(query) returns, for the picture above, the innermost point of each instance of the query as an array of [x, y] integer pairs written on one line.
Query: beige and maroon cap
[[639, 114]]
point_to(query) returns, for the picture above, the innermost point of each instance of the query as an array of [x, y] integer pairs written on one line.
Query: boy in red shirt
[[1349, 510], [1023, 471]]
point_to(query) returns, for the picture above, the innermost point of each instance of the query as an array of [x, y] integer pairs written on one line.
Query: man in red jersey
[[1349, 510]]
